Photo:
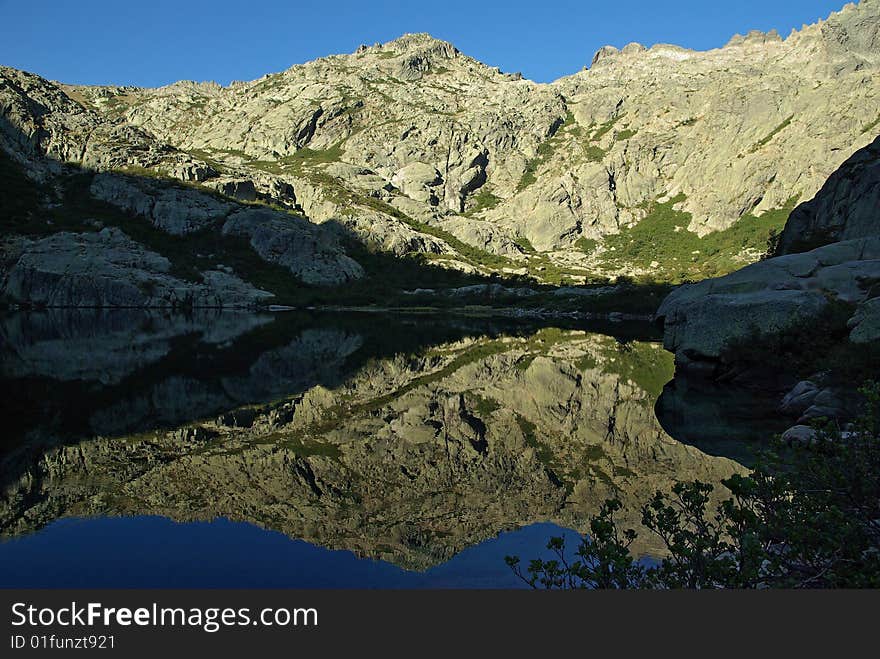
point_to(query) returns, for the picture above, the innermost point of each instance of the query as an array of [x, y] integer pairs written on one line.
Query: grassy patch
[[484, 407], [662, 237], [304, 157], [625, 134], [766, 140], [600, 132], [867, 128], [525, 245], [586, 245], [585, 362], [483, 200], [530, 433], [594, 153]]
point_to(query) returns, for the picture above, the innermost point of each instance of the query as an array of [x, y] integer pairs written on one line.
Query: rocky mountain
[[660, 163]]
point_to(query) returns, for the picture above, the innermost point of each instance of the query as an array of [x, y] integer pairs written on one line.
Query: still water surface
[[332, 450]]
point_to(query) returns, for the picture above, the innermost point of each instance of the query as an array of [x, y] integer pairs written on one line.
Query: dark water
[[328, 450], [153, 552]]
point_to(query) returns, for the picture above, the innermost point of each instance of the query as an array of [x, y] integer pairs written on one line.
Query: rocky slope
[[88, 223], [662, 163], [796, 288], [845, 208]]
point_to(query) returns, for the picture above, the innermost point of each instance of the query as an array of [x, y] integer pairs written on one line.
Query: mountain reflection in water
[[406, 439]]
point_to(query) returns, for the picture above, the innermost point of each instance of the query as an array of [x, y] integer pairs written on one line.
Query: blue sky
[[160, 41]]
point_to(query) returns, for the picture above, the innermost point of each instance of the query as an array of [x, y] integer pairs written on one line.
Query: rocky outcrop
[[306, 250], [170, 209], [865, 322], [701, 319], [847, 206], [108, 269], [57, 143], [772, 296]]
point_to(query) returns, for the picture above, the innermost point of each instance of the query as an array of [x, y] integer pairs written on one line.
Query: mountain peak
[[413, 42]]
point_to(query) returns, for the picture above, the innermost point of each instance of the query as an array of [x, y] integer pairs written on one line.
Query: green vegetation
[[764, 142], [806, 517], [591, 149], [525, 245], [482, 406], [545, 152], [482, 201], [586, 245], [585, 362], [530, 434], [625, 134], [301, 158], [299, 445], [528, 176], [599, 133], [594, 153], [867, 128], [643, 364], [662, 237]]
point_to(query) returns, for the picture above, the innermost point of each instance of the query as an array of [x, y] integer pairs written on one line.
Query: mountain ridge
[[657, 163]]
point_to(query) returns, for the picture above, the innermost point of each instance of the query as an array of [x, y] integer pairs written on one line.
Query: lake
[[219, 449]]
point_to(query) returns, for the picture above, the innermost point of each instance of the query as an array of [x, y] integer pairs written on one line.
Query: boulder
[[799, 398], [800, 434], [772, 296], [109, 269], [418, 180], [865, 323]]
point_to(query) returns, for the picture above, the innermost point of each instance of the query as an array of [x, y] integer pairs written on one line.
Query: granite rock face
[[701, 319], [83, 171], [312, 255], [772, 296], [847, 206], [172, 210]]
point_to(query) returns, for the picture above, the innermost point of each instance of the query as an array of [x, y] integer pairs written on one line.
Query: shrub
[[806, 520]]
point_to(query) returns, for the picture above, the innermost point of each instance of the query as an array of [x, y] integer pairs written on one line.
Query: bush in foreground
[[807, 517]]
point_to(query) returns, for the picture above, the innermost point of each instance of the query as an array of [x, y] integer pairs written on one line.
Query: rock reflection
[[347, 436]]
